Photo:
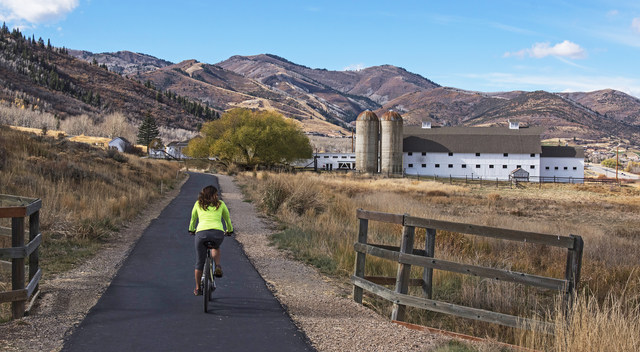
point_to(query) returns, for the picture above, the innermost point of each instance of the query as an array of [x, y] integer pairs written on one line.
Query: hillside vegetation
[[318, 212], [87, 193]]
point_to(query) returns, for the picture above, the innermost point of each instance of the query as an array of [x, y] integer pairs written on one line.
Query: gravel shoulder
[[322, 308], [319, 306]]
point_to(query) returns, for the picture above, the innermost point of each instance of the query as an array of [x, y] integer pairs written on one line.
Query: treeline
[[32, 58], [190, 106]]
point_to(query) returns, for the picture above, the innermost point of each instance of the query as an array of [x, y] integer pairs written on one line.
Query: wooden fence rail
[[406, 256], [18, 208]]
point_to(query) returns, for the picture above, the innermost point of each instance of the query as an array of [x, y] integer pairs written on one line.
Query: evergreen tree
[[148, 131]]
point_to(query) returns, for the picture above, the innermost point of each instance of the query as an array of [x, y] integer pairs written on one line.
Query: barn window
[[555, 168], [518, 166], [504, 166], [335, 157], [546, 168], [450, 166], [477, 154], [565, 168], [410, 153], [424, 165], [464, 166], [491, 166], [424, 153], [533, 155], [410, 165], [532, 167], [326, 157], [505, 154], [477, 166], [352, 157], [575, 168], [450, 154], [437, 165]]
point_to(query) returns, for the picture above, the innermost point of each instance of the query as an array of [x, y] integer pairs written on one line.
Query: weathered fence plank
[[379, 216], [494, 232], [360, 258], [430, 250], [404, 271], [453, 309], [468, 269], [17, 266]]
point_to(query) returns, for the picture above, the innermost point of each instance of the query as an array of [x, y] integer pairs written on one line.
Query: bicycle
[[208, 282]]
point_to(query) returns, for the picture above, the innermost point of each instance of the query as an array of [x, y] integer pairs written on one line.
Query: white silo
[[391, 135], [367, 129]]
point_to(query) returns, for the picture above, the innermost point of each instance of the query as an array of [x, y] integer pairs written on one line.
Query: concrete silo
[[367, 129], [391, 135]]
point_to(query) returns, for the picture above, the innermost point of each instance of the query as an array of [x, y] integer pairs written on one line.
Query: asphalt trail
[[149, 305]]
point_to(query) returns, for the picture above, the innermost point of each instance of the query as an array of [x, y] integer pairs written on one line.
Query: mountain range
[[68, 82]]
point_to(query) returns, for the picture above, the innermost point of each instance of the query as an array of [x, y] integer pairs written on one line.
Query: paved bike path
[[149, 305]]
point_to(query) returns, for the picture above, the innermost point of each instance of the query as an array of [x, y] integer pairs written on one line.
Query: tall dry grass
[[87, 193], [320, 213]]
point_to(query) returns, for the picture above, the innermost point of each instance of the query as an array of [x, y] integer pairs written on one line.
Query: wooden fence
[[406, 256], [17, 208]]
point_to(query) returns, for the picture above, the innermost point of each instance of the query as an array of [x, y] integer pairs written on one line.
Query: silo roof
[[367, 115], [391, 116]]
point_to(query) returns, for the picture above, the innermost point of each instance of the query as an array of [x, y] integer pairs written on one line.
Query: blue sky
[[476, 45]]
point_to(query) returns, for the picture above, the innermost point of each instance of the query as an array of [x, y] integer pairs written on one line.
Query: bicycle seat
[[209, 244]]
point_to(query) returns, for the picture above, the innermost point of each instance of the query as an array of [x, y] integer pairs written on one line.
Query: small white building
[[174, 149], [120, 143], [330, 161]]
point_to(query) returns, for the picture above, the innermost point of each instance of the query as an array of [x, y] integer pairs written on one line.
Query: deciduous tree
[[251, 138]]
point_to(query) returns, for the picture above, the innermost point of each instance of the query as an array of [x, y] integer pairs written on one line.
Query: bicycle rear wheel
[[206, 284]]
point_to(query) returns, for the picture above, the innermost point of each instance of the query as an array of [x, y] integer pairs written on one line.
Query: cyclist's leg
[[201, 255]]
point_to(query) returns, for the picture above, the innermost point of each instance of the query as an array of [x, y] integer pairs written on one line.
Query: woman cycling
[[208, 212]]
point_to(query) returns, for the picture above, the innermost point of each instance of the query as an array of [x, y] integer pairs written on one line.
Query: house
[[174, 149], [121, 144]]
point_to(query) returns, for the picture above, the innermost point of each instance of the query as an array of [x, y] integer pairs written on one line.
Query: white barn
[[488, 153]]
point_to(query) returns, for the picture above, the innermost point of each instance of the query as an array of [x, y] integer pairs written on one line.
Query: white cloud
[[565, 49], [613, 13], [354, 67], [35, 11], [635, 24]]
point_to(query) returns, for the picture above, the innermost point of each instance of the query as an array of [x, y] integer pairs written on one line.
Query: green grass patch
[[60, 255], [303, 247]]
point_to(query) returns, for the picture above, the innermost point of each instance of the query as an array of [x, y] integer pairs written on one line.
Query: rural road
[[611, 173], [149, 305]]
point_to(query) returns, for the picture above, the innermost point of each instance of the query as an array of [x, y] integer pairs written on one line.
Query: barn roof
[[472, 140], [562, 152]]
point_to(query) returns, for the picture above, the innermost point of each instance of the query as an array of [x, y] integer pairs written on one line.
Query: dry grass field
[[319, 227], [87, 193]]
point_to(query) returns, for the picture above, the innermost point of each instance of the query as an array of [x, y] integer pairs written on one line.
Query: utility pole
[[617, 153]]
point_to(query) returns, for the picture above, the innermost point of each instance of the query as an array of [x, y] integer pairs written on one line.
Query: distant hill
[[122, 62], [40, 77], [325, 102]]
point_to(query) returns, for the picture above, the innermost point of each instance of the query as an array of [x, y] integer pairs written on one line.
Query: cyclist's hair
[[208, 197]]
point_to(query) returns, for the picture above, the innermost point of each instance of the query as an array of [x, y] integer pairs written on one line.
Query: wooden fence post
[[360, 259], [17, 266], [404, 271], [34, 230], [429, 251], [572, 272]]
